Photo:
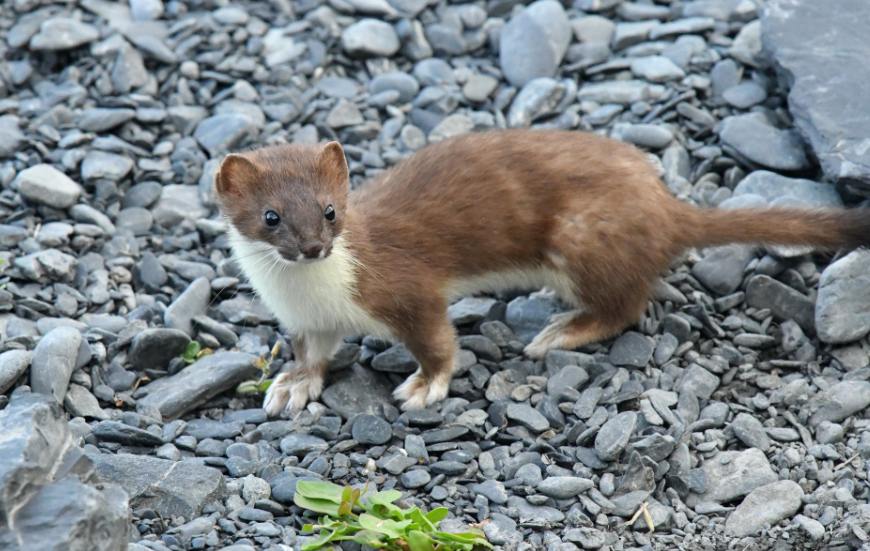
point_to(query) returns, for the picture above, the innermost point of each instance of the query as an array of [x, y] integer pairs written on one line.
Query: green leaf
[[191, 351], [386, 497], [264, 386], [346, 506], [318, 489], [420, 520], [247, 387], [437, 515], [391, 528], [321, 541], [418, 541], [473, 538], [317, 505]]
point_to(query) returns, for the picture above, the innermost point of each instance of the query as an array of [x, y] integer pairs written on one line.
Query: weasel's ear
[[332, 164], [235, 174]]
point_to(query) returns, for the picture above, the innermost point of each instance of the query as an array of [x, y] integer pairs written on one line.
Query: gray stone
[[47, 265], [13, 364], [402, 82], [733, 474], [564, 487], [146, 10], [189, 304], [614, 435], [765, 505], [70, 515], [493, 490], [221, 133], [53, 362], [115, 431], [721, 269], [843, 304], [745, 95], [358, 390], [786, 304], [809, 44], [396, 359], [344, 114], [840, 401], [46, 185], [586, 537], [197, 383], [569, 377], [100, 119], [370, 38], [302, 444], [656, 68], [750, 431], [632, 349], [814, 529], [154, 348], [102, 165], [539, 97], [171, 488], [688, 25], [537, 514], [470, 310], [479, 87], [754, 138], [63, 33], [81, 403], [622, 92], [593, 29], [776, 189], [371, 430], [651, 136], [10, 136], [35, 436], [528, 417], [698, 381], [528, 315], [533, 42], [450, 126], [178, 203]]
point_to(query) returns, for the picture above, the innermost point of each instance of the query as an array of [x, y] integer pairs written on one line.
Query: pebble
[[755, 139], [371, 430], [564, 487], [63, 33], [614, 435], [54, 360], [533, 42], [842, 312], [765, 505], [632, 349], [528, 417], [46, 185], [370, 37]]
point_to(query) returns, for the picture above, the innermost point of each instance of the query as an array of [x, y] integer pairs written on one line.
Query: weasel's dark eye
[[329, 213], [271, 218]]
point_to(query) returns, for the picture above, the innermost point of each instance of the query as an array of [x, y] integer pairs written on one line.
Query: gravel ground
[[735, 411]]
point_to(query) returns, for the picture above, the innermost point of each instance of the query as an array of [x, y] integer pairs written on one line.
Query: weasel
[[581, 214]]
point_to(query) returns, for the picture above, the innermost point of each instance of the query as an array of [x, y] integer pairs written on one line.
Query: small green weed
[[194, 351], [261, 385], [374, 520]]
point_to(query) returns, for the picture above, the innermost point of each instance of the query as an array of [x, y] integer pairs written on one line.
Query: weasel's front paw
[[418, 392], [290, 392]]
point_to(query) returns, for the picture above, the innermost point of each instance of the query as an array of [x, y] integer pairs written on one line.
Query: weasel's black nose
[[312, 251]]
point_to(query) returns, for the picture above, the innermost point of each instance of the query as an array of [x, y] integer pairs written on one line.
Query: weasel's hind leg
[[605, 316]]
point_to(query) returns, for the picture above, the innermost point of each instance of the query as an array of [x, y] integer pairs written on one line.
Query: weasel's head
[[290, 198]]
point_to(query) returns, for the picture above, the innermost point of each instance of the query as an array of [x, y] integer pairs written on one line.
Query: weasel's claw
[[417, 392], [291, 392]]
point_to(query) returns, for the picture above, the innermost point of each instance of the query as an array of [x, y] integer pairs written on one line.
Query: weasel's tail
[[822, 228]]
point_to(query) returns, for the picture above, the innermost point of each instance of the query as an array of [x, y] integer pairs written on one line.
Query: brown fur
[[583, 205]]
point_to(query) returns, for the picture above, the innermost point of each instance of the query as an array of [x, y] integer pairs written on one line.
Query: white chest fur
[[315, 296]]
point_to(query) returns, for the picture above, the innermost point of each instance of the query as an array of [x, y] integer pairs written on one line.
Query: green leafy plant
[[194, 351], [349, 514], [263, 363]]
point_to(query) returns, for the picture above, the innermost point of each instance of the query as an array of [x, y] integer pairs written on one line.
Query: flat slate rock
[[197, 383], [822, 52], [171, 488]]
